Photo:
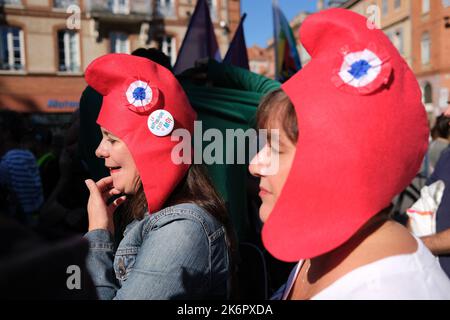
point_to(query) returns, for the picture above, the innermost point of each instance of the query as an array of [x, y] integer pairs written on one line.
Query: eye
[[111, 140], [274, 148]]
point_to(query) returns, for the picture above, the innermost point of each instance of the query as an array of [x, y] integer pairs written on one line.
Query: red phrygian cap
[[363, 133], [142, 104]]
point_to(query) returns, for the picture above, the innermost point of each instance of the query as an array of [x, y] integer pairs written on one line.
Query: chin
[[118, 186], [128, 190], [264, 213]]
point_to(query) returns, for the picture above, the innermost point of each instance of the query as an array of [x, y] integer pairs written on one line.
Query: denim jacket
[[179, 252]]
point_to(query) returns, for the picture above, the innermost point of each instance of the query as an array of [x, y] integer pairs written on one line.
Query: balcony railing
[[120, 7]]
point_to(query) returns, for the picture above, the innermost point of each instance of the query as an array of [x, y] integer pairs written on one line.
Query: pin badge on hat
[[142, 97], [362, 71], [160, 122], [360, 68]]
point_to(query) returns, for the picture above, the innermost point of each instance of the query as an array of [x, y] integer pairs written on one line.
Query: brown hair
[[196, 187], [277, 105]]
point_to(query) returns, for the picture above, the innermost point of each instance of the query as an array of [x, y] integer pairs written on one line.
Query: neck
[[324, 263]]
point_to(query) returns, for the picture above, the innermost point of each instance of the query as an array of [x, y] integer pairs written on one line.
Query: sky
[[258, 25]]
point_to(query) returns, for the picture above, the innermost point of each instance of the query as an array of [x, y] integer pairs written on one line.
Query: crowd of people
[[111, 200]]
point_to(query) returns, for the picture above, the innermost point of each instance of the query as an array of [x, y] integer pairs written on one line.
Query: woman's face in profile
[[272, 165], [119, 161]]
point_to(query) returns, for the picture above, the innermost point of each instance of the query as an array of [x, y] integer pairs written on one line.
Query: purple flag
[[237, 52], [200, 40]]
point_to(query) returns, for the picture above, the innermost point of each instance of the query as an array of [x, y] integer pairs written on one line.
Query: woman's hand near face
[[100, 214]]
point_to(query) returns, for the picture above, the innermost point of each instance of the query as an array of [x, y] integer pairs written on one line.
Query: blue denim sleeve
[[174, 262], [99, 263]]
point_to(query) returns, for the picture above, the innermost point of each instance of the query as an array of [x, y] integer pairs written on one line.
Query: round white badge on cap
[[160, 122]]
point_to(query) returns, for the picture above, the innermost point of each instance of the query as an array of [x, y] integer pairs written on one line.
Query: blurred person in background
[[19, 173], [439, 243], [64, 213], [47, 159], [440, 140]]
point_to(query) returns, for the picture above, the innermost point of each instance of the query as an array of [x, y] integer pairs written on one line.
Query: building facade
[[260, 61], [46, 45], [420, 30], [393, 17], [295, 25], [431, 51]]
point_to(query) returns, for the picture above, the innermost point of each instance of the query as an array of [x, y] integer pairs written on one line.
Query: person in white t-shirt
[[330, 170]]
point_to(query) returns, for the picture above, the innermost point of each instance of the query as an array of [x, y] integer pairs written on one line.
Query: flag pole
[[276, 32]]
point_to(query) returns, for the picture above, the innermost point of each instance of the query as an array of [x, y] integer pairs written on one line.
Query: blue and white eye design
[[360, 69], [139, 94]]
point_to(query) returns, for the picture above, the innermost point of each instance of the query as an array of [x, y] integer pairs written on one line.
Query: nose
[[259, 162], [254, 168], [102, 150]]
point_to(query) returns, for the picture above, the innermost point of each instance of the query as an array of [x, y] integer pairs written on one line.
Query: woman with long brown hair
[[178, 242]]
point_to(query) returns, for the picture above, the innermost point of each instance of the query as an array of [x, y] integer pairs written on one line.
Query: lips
[[263, 192], [114, 169]]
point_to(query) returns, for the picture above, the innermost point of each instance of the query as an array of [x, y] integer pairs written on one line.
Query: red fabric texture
[[356, 149], [111, 75]]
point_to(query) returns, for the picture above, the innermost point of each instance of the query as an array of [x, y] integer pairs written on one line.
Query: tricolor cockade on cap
[[362, 69], [142, 104], [141, 96]]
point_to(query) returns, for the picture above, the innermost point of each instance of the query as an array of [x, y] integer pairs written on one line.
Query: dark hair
[[277, 105], [441, 127], [155, 55], [196, 187]]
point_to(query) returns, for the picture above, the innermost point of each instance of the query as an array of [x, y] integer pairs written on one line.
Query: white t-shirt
[[415, 276]]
